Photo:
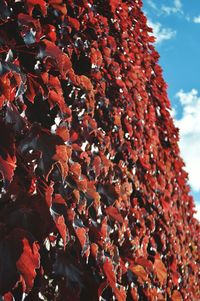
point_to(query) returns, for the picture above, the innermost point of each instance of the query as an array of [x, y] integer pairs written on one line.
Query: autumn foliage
[[94, 200]]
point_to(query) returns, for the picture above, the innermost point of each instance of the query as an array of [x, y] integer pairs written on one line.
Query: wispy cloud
[[196, 19], [161, 33], [190, 134], [152, 4], [175, 8]]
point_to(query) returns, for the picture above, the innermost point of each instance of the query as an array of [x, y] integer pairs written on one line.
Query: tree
[[94, 196]]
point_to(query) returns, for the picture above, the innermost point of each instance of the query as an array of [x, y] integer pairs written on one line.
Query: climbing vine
[[94, 200]]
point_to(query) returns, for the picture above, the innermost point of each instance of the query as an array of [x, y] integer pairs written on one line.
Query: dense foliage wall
[[94, 199]]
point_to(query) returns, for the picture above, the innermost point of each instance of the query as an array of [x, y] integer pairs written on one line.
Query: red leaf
[[145, 162], [94, 250], [50, 32], [40, 3], [114, 4], [58, 59], [7, 153], [63, 132], [58, 5], [53, 151], [114, 213], [74, 136], [175, 277], [96, 57], [30, 28], [82, 236], [111, 277], [165, 204], [7, 167], [34, 87], [160, 270], [61, 157], [82, 183], [75, 170], [104, 229], [10, 81], [140, 272], [58, 199], [101, 288], [28, 262], [176, 296], [109, 272], [74, 23], [61, 226], [48, 194], [55, 92], [97, 165], [147, 264], [134, 294], [120, 83], [86, 83], [8, 297]]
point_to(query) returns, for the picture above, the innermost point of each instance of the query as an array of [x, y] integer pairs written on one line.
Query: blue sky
[[176, 24]]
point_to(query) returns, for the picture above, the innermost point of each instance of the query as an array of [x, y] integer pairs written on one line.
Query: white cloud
[[161, 33], [190, 134], [175, 8], [196, 19], [197, 215], [173, 113]]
